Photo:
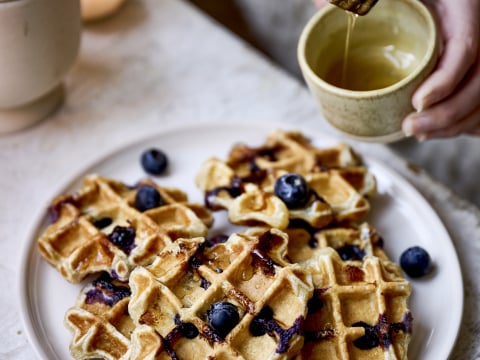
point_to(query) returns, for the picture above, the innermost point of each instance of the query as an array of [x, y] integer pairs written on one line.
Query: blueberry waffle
[[107, 226], [100, 322], [358, 310], [236, 298], [359, 296], [259, 186]]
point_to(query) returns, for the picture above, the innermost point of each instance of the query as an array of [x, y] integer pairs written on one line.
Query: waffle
[[98, 229], [172, 295], [100, 322], [243, 184], [355, 285], [247, 271], [358, 311], [359, 7]]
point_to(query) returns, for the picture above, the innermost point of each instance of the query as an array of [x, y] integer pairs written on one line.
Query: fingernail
[[422, 101], [419, 123], [418, 105], [408, 127]]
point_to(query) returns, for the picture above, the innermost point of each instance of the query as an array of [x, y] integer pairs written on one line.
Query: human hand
[[448, 101]]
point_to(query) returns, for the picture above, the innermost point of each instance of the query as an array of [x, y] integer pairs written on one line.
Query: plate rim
[[29, 246]]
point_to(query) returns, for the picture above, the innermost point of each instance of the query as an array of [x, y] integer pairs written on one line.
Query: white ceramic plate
[[399, 212]]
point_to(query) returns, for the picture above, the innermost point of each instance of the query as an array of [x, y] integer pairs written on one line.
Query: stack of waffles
[[304, 283]]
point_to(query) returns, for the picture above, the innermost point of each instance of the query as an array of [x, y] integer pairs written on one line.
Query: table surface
[[162, 63]]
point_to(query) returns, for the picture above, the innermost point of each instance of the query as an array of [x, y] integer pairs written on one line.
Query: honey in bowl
[[371, 56], [371, 67], [396, 36]]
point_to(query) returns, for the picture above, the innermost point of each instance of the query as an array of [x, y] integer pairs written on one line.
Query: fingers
[[469, 125], [455, 62], [449, 100], [448, 118], [460, 28]]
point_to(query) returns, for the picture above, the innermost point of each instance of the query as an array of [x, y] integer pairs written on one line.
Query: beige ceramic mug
[[391, 51], [39, 41]]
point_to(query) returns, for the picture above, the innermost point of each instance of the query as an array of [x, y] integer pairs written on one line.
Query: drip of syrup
[[351, 20]]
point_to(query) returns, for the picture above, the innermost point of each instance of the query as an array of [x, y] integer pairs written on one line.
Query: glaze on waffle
[[244, 183], [99, 229], [248, 272]]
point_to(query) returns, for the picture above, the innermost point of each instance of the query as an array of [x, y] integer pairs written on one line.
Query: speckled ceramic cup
[[374, 115], [39, 42]]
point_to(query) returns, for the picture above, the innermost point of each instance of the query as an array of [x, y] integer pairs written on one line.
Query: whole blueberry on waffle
[[221, 295], [107, 226], [287, 179]]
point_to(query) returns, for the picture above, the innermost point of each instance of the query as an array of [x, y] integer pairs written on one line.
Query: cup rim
[[427, 58]]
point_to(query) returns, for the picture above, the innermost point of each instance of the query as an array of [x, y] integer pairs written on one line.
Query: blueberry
[[148, 197], [314, 305], [351, 252], [415, 261], [223, 317], [102, 222], [214, 240], [293, 190], [154, 161], [368, 341], [189, 330], [106, 292], [123, 237], [259, 324]]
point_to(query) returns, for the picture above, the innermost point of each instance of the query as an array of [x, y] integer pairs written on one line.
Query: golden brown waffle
[[100, 322], [170, 300], [99, 229], [355, 285], [244, 183], [247, 272], [358, 311]]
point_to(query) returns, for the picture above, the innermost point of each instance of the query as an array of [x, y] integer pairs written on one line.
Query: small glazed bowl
[[39, 42], [371, 115]]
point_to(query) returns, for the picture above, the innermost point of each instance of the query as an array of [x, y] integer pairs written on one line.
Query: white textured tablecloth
[[160, 63]]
